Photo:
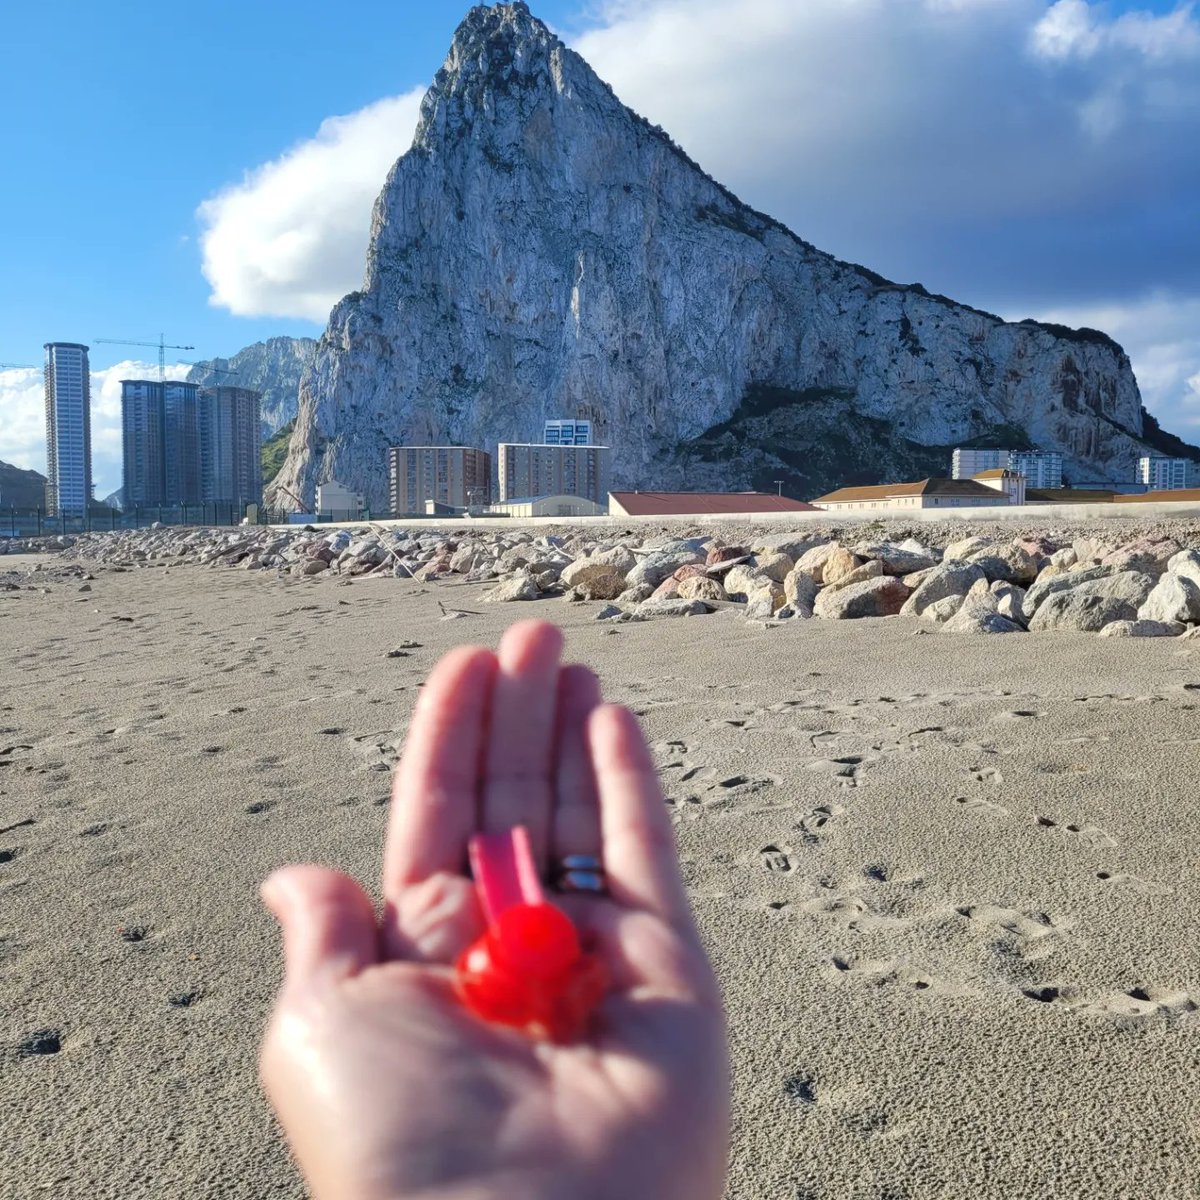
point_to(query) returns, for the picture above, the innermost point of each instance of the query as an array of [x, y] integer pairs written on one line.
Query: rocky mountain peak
[[542, 250]]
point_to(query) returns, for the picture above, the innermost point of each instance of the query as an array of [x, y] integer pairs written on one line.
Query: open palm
[[385, 1085]]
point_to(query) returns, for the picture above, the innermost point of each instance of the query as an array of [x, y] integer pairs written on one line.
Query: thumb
[[327, 921]]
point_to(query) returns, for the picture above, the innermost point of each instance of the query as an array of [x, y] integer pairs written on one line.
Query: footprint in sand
[[884, 971], [1034, 934], [1091, 836], [986, 775], [776, 858], [1018, 715], [1143, 887], [1147, 1002], [843, 771], [982, 807], [810, 826]]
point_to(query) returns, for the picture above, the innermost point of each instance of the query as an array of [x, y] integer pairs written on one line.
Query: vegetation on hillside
[[274, 452]]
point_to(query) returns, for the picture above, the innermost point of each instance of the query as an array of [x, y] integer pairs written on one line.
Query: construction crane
[[162, 346], [17, 367]]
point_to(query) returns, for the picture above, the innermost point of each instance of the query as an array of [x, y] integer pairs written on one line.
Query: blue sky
[[208, 171], [123, 118]]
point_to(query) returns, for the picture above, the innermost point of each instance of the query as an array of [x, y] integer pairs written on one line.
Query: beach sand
[[949, 882]]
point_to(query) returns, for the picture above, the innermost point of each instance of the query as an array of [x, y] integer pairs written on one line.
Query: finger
[[639, 847], [642, 953], [517, 786], [576, 822], [327, 921], [435, 790]]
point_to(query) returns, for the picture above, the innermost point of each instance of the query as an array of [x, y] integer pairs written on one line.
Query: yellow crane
[[161, 345]]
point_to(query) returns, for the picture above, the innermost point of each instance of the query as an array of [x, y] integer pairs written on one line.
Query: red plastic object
[[529, 969]]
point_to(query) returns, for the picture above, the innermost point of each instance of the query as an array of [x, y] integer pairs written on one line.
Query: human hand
[[386, 1086]]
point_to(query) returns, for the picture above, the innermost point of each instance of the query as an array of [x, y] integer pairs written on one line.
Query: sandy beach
[[949, 883]]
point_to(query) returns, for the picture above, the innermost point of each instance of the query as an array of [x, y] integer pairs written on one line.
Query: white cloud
[[1076, 29], [290, 239], [1017, 154], [23, 432]]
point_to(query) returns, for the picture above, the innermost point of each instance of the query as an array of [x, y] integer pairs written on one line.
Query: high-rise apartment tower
[[68, 429]]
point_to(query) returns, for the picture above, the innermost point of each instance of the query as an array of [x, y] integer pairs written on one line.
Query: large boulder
[[1009, 598], [800, 592], [965, 548], [763, 603], [1089, 606], [812, 562], [943, 609], [701, 587], [1052, 580], [1141, 628], [519, 587], [896, 559], [883, 596], [1091, 550], [594, 580], [839, 564], [968, 620], [775, 565], [649, 609], [1143, 555], [657, 565], [953, 578], [1009, 563], [743, 579], [794, 545], [869, 570], [726, 554], [1175, 598], [1187, 564]]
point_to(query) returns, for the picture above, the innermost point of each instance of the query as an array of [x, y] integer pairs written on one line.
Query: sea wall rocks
[[988, 582]]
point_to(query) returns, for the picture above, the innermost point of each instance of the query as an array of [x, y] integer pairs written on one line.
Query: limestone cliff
[[273, 367], [541, 250]]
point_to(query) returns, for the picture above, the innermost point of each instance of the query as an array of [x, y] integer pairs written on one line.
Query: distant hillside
[[20, 488], [272, 367]]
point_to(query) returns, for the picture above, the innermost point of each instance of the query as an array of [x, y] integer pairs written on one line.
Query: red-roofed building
[[700, 504]]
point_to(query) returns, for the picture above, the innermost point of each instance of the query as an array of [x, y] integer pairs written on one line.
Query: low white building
[[338, 503], [1163, 474], [925, 493]]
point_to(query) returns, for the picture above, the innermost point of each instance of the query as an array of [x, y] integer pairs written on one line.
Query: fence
[[36, 522]]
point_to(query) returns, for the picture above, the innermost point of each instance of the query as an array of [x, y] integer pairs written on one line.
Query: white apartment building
[[528, 470], [68, 428], [969, 463], [564, 431], [1163, 474], [1041, 468]]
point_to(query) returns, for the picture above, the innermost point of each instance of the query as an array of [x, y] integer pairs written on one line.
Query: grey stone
[[1140, 628], [1047, 584], [1089, 606], [880, 597], [519, 587], [953, 578], [1174, 598], [896, 559]]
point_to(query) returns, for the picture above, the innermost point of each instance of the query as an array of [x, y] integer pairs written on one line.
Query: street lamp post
[[778, 486]]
